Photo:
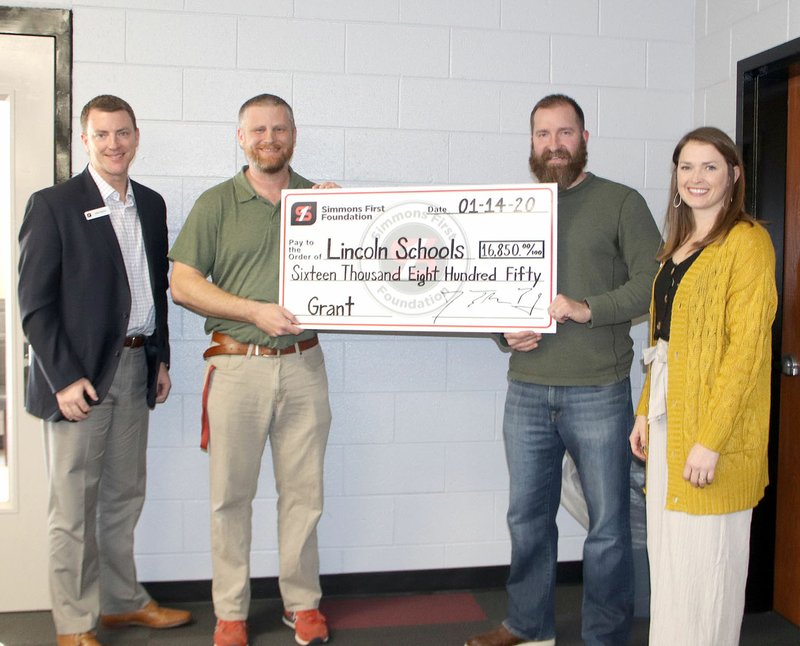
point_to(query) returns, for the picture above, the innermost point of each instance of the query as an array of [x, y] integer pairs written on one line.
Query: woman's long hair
[[679, 223]]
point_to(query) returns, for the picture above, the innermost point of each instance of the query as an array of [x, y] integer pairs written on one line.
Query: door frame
[[762, 80], [57, 24], [23, 516]]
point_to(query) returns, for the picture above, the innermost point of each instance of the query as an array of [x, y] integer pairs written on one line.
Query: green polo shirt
[[232, 234]]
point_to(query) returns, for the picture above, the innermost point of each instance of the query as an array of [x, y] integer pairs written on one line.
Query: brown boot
[[78, 639], [151, 616], [501, 636]]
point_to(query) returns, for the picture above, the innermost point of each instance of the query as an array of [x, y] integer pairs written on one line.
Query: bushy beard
[[564, 175]]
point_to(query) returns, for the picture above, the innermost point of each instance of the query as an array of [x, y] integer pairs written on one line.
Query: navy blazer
[[74, 296]]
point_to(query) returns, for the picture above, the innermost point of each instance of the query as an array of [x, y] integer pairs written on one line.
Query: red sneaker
[[309, 626], [230, 633]]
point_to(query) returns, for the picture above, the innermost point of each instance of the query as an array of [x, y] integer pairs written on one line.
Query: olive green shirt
[[607, 246], [232, 234]]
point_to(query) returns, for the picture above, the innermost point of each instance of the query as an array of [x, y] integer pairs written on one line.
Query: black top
[[667, 280]]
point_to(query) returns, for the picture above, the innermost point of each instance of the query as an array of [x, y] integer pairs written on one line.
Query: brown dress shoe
[[151, 616], [77, 639], [501, 636]]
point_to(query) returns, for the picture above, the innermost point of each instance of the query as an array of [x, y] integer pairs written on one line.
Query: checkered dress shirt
[[125, 220]]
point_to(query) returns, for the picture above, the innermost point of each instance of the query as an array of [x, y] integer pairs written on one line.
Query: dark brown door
[[787, 542]]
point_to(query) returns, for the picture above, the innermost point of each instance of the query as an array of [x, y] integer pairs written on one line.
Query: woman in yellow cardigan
[[703, 419]]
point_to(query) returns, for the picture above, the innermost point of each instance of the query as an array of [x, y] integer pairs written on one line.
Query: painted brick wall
[[727, 31], [387, 92]]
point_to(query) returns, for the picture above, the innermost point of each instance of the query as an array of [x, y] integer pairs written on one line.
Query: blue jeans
[[641, 567], [592, 423]]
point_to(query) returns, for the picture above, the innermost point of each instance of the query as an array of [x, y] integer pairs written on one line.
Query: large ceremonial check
[[449, 259]]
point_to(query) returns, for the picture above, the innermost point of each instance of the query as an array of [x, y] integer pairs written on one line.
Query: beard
[[270, 161], [563, 175]]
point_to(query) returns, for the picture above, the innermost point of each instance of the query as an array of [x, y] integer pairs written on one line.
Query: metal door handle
[[789, 365]]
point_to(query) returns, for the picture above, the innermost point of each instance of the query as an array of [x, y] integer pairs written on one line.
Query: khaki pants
[[97, 487], [250, 399]]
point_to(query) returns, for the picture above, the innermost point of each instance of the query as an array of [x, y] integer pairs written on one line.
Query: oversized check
[[449, 259]]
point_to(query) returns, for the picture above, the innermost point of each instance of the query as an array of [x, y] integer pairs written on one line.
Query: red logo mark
[[304, 213]]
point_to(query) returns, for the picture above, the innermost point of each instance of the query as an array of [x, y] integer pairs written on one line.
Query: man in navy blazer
[[92, 293]]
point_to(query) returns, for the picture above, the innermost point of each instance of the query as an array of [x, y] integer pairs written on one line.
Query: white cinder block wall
[[727, 31], [391, 92]]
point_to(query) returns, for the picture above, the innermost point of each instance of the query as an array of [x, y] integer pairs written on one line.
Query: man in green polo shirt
[[265, 376]]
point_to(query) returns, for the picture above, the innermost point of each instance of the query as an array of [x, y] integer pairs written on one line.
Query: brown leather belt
[[135, 341], [228, 345]]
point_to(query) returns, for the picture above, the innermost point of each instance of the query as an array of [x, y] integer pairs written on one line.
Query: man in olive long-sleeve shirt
[[571, 391]]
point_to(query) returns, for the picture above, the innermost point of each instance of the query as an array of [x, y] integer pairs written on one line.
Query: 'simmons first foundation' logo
[[304, 213]]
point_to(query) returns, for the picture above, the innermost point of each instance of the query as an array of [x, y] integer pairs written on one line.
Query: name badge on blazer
[[97, 213]]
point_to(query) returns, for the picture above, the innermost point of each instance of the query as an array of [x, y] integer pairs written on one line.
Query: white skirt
[[698, 564]]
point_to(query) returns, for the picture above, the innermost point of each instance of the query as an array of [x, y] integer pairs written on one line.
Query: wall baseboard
[[367, 583]]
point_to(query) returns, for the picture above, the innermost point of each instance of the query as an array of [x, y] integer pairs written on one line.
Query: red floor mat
[[417, 610]]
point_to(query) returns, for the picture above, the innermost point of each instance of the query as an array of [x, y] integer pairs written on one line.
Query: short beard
[[270, 168], [565, 175]]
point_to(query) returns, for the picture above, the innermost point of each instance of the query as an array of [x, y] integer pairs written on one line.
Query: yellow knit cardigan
[[718, 388]]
